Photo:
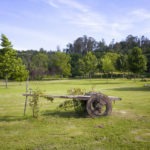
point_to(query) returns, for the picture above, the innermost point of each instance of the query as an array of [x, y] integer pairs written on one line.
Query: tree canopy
[[10, 65], [137, 61]]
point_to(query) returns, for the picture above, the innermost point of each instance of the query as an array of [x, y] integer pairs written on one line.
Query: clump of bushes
[[79, 106]]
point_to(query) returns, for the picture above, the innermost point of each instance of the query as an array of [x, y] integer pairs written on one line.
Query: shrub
[[79, 106]]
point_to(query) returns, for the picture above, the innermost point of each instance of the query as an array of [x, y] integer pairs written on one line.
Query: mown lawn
[[127, 128]]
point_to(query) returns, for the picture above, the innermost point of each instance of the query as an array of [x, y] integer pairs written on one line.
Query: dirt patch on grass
[[127, 114], [141, 135], [124, 113]]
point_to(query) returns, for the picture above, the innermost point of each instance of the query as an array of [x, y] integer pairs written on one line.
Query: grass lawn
[[127, 128]]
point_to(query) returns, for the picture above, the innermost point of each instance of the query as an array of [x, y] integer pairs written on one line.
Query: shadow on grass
[[88, 82], [144, 89], [12, 118], [99, 83], [64, 114]]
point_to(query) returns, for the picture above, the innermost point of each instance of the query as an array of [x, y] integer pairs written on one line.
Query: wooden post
[[26, 100]]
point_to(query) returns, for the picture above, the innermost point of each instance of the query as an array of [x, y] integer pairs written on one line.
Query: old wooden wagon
[[97, 104]]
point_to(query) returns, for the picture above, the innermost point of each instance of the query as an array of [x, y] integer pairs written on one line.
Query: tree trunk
[[6, 81], [107, 77], [123, 75], [134, 77], [26, 100]]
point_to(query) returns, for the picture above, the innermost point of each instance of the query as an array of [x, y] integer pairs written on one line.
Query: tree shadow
[[144, 89], [102, 83], [64, 114], [12, 118]]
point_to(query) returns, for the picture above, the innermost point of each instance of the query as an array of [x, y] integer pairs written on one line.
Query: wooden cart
[[97, 104]]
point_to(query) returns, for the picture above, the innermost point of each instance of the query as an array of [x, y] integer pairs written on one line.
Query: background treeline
[[87, 57]]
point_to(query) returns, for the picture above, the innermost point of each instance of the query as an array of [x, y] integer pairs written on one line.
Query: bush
[[34, 103], [79, 106]]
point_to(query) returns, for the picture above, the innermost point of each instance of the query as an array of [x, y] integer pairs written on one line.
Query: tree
[[39, 65], [101, 46], [20, 72], [90, 61], [27, 57], [122, 63], [109, 62], [61, 62], [81, 67], [10, 64], [81, 45], [132, 41], [145, 46], [137, 61], [86, 65], [74, 64]]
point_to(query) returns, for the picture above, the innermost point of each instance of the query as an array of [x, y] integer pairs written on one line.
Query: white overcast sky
[[35, 24]]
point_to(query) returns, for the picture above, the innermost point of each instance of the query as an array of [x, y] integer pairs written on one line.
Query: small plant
[[79, 106], [76, 91], [34, 102], [48, 98], [68, 104]]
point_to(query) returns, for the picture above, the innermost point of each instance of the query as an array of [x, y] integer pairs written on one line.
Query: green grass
[[127, 128]]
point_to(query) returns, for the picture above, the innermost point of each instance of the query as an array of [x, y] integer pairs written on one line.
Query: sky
[[48, 24]]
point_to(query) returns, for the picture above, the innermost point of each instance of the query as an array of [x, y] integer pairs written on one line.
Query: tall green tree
[[81, 67], [61, 63], [145, 46], [74, 64], [137, 61], [109, 62], [82, 45], [122, 63], [10, 64], [39, 65], [91, 62], [20, 72]]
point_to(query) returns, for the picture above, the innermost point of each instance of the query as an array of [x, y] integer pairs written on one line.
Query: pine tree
[[9, 62]]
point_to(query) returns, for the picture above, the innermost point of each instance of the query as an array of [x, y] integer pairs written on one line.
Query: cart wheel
[[99, 105]]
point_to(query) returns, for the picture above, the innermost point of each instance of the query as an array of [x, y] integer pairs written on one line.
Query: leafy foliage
[[137, 61], [61, 62], [10, 65], [85, 57], [122, 63], [109, 62], [48, 98], [82, 45], [90, 63], [79, 106], [39, 65], [34, 102], [5, 42], [66, 105], [76, 91], [75, 64]]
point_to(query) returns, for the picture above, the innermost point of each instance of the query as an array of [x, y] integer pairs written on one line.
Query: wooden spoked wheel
[[99, 105]]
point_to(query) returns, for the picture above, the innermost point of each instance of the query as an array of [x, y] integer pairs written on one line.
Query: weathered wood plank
[[79, 97]]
